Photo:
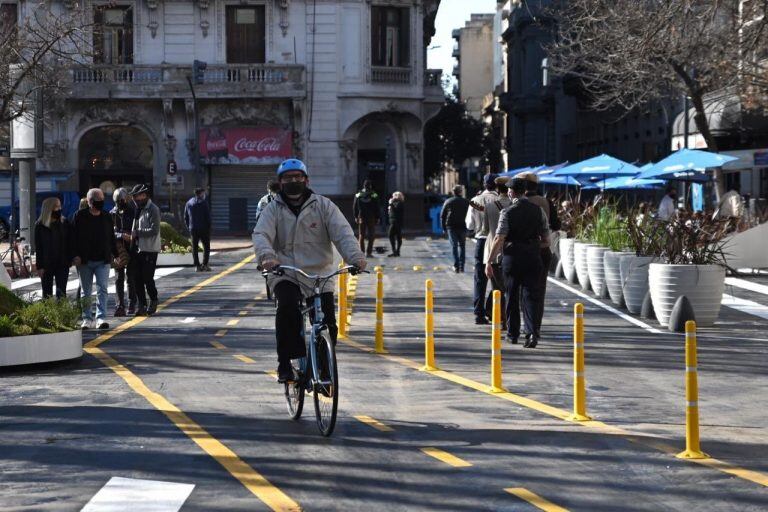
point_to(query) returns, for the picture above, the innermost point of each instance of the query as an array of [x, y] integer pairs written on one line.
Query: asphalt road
[[187, 397]]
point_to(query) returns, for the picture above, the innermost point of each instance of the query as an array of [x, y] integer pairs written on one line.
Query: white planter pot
[[41, 348], [634, 280], [612, 270], [595, 267], [567, 257], [580, 262], [170, 259], [702, 284]]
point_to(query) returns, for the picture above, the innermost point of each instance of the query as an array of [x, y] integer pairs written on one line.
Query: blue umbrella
[[686, 165], [548, 179], [599, 166], [515, 172], [629, 183]]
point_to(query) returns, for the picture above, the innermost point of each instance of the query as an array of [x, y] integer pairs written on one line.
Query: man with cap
[[366, 210], [300, 228], [453, 220], [532, 193], [477, 221], [521, 229], [146, 237]]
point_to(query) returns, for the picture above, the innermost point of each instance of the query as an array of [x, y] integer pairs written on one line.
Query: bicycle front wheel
[[326, 388], [26, 266]]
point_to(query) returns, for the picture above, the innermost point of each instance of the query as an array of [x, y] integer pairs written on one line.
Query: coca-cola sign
[[260, 146]]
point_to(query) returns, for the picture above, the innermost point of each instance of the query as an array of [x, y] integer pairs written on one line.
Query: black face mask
[[294, 188], [56, 214], [142, 203], [121, 204], [98, 205]]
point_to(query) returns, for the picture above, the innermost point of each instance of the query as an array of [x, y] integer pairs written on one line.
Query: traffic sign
[[172, 168]]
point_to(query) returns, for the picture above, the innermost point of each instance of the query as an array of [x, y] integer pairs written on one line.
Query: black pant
[[546, 260], [481, 280], [127, 276], [522, 268], [289, 322], [145, 277], [205, 237], [396, 237], [60, 275], [367, 232]]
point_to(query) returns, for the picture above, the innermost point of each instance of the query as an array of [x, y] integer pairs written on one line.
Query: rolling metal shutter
[[235, 194]]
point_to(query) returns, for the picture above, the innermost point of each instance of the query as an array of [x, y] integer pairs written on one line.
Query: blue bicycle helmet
[[292, 164]]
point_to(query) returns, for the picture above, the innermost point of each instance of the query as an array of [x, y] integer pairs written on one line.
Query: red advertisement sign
[[254, 146]]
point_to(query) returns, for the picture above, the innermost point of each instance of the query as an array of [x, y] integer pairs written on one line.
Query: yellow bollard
[[379, 340], [496, 385], [579, 379], [692, 447], [429, 329], [416, 268], [342, 305]]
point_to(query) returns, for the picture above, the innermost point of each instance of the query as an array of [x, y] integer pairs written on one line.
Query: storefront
[[240, 162]]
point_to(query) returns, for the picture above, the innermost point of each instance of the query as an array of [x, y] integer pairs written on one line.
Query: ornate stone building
[[341, 84]]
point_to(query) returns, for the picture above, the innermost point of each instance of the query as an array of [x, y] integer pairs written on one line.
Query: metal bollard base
[[692, 454], [579, 417]]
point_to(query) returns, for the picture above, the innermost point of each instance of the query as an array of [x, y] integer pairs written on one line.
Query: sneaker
[[511, 339], [101, 324], [393, 255], [119, 311], [152, 309], [200, 268], [207, 268], [86, 324], [531, 343], [481, 320], [285, 373], [142, 311], [131, 309]]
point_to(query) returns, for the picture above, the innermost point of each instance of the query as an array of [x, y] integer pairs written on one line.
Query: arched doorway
[[377, 158], [115, 156]]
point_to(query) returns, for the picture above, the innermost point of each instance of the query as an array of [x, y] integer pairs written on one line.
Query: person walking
[[366, 212], [522, 227], [396, 214], [125, 262], [197, 217], [93, 247], [273, 188], [453, 220], [146, 237], [52, 239], [477, 221], [668, 205], [532, 193]]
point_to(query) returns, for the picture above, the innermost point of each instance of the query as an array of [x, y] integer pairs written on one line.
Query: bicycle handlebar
[[280, 270]]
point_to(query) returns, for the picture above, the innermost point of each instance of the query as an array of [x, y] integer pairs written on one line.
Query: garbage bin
[[434, 214]]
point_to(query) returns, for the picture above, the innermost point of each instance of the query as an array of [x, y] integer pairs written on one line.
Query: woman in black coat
[[52, 239], [396, 214]]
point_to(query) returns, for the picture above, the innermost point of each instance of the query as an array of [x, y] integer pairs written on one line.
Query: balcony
[[169, 81], [433, 86], [391, 75]]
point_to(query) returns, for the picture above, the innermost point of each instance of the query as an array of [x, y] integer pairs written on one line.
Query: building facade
[[474, 69], [341, 84]]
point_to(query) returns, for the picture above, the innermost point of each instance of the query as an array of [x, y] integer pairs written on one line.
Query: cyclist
[[298, 228]]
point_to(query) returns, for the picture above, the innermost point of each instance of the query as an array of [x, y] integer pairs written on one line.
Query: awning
[[723, 113]]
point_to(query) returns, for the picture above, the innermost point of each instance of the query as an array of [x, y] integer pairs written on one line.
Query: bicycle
[[21, 259], [317, 373]]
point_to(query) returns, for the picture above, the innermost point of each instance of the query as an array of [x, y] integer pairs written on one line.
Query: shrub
[[610, 229], [9, 302], [49, 316], [170, 238], [7, 327]]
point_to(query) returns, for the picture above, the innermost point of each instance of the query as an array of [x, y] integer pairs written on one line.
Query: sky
[[452, 14]]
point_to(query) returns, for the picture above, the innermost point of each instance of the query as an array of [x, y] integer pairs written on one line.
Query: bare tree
[[36, 51], [627, 53]]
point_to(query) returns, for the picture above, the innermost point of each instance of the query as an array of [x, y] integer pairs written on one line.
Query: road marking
[[233, 322], [745, 306], [121, 494], [251, 305], [244, 359], [446, 457], [374, 423], [188, 320], [243, 313], [640, 439], [218, 345], [221, 333], [747, 285], [272, 373], [535, 500]]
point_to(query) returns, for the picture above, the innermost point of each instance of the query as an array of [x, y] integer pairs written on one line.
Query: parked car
[[69, 204]]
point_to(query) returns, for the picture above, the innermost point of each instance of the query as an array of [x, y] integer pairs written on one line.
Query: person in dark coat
[[52, 237], [396, 214], [125, 272], [453, 219], [366, 212], [197, 217]]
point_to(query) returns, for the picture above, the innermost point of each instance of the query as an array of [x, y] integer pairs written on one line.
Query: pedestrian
[[477, 221], [396, 214], [146, 237], [522, 227], [366, 212], [123, 214], [52, 239], [273, 188], [93, 247], [453, 220], [532, 193], [730, 206], [83, 205], [668, 205], [197, 217]]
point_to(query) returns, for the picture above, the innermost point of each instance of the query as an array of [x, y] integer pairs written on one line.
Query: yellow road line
[[244, 359], [640, 439], [218, 345], [243, 313], [251, 305], [272, 373], [233, 322], [535, 500], [262, 488], [221, 333], [374, 423], [186, 293], [446, 457]]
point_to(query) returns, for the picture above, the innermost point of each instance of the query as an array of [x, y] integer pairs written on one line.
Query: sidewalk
[[225, 244]]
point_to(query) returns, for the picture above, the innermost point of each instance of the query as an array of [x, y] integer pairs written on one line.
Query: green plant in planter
[[610, 229], [645, 234], [173, 242], [9, 301], [49, 316], [698, 240]]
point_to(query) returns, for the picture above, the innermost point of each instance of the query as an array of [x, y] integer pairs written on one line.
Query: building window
[[246, 34], [8, 19], [390, 36], [113, 34]]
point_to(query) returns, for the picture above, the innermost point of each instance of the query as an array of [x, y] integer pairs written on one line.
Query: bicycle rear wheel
[[294, 397], [326, 388]]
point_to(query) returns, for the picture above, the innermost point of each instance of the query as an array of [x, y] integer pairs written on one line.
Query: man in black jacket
[[453, 219], [367, 214]]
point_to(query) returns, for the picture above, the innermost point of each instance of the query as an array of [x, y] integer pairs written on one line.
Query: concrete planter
[[172, 259], [41, 348], [567, 257], [595, 267], [702, 284], [580, 262], [612, 270], [634, 280]]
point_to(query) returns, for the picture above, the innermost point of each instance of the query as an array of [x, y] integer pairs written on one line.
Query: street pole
[[27, 199], [196, 152]]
